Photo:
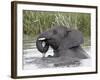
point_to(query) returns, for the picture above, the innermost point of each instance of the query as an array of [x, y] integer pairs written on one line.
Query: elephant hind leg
[[75, 52], [79, 52]]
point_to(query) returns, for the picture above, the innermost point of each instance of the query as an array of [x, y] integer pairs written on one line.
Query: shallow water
[[33, 60]]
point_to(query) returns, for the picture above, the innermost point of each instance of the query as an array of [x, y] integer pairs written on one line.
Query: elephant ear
[[40, 47]]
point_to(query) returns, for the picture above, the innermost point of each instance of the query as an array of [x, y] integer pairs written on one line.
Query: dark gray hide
[[64, 42]]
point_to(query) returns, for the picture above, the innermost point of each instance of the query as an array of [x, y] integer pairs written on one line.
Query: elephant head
[[58, 38]]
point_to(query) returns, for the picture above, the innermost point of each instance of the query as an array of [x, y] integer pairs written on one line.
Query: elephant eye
[[54, 32]]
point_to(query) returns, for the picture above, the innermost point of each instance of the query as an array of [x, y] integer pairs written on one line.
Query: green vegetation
[[35, 22]]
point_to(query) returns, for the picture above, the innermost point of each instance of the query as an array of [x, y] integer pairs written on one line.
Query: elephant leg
[[79, 52]]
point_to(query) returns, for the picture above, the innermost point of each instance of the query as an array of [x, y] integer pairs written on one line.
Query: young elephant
[[64, 42]]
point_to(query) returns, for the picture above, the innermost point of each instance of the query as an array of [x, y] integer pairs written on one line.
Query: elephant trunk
[[42, 45]]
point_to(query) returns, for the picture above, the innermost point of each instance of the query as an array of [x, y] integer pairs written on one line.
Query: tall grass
[[35, 22]]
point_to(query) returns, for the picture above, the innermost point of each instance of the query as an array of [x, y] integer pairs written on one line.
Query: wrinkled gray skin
[[64, 42]]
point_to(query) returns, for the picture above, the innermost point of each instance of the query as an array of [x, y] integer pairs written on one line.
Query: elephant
[[65, 42]]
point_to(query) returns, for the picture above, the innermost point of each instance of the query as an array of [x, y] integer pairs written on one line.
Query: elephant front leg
[[56, 53]]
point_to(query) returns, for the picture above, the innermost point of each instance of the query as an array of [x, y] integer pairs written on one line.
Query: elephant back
[[73, 38]]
